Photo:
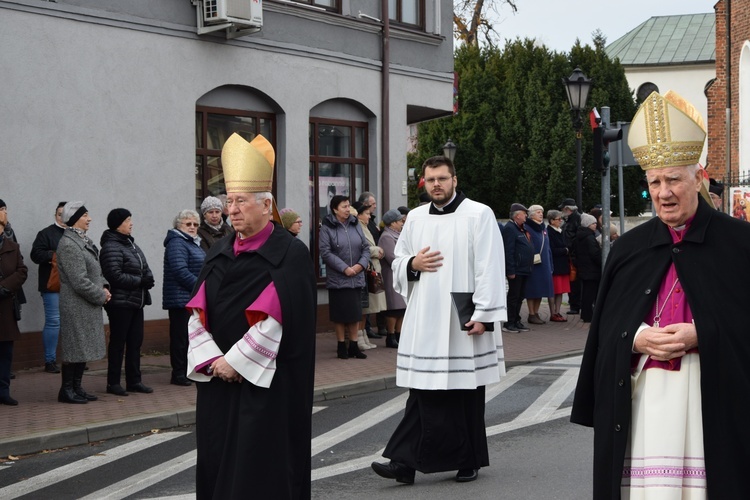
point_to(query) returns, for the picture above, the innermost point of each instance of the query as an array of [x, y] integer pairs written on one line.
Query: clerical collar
[[678, 232], [449, 207], [253, 242]]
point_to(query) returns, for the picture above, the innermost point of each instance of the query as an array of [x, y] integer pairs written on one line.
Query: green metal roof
[[666, 40]]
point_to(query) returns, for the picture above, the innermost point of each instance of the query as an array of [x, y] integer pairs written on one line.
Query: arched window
[[218, 114], [645, 90]]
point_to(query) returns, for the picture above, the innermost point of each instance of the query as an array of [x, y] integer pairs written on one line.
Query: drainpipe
[[385, 160], [728, 118]]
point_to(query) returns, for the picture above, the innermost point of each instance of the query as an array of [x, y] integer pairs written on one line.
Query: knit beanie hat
[[587, 220], [288, 217], [116, 217], [210, 203]]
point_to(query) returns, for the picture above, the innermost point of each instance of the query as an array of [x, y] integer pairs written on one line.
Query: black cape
[[255, 442], [713, 266]]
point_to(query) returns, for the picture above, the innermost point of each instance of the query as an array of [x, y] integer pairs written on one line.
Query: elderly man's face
[[248, 216], [520, 217], [674, 191]]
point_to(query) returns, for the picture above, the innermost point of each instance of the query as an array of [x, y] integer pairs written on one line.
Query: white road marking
[[67, 471]]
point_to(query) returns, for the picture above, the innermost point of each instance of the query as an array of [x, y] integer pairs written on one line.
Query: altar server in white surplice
[[452, 244]]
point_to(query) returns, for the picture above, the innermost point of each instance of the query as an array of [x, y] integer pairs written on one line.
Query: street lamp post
[[449, 150], [578, 88]]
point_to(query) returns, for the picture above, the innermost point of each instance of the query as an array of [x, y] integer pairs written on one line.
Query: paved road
[[534, 452]]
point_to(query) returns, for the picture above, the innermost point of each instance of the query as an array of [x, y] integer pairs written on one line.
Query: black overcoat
[[713, 266], [254, 442]]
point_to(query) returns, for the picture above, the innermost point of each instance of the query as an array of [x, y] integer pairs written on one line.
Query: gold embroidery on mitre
[[247, 166], [672, 130]]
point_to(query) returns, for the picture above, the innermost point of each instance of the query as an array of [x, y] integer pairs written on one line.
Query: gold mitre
[[666, 131], [248, 166]]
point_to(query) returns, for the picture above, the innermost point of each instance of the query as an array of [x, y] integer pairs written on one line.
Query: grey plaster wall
[[103, 111]]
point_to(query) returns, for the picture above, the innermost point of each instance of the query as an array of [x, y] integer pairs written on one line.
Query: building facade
[[121, 103]]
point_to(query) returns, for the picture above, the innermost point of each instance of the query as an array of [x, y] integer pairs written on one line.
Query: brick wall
[[727, 72]]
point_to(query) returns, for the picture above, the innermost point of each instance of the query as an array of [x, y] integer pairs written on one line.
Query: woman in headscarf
[[13, 274], [394, 221], [83, 293]]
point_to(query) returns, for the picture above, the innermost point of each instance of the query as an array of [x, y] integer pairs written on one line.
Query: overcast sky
[[557, 23]]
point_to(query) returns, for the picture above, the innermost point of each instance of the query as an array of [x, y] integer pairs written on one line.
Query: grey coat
[[81, 299]]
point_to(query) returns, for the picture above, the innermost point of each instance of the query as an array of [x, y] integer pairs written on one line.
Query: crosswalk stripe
[[361, 423], [143, 480], [61, 473], [512, 376]]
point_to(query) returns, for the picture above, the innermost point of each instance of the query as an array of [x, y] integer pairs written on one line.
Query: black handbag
[[16, 307], [364, 297]]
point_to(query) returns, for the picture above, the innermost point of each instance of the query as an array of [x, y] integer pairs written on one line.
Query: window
[[213, 126], [338, 165], [645, 90], [409, 12], [332, 5]]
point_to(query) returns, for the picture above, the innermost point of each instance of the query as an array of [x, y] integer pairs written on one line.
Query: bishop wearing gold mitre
[[252, 343], [666, 370]]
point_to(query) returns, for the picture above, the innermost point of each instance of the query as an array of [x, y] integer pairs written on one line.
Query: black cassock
[[255, 442]]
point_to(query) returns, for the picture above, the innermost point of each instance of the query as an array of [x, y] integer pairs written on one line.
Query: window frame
[[396, 19], [336, 9]]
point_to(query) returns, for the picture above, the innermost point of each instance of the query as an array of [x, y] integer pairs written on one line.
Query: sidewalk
[[41, 423]]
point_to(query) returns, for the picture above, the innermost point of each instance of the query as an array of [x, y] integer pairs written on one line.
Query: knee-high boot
[[67, 392], [78, 377]]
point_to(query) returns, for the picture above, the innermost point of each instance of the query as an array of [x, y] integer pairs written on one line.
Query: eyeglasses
[[298, 221], [434, 180], [191, 224]]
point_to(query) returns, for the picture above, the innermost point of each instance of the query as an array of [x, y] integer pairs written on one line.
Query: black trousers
[[515, 297], [441, 431], [589, 289], [178, 341], [574, 296], [125, 339], [6, 359]]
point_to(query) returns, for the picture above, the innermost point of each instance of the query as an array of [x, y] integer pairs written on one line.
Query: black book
[[464, 304]]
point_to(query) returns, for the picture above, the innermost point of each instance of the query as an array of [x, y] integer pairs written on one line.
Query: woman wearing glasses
[[183, 259]]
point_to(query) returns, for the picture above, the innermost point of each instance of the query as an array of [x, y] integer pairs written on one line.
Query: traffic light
[[644, 189], [602, 137]]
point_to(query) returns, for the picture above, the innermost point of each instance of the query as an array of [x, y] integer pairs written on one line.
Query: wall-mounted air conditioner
[[245, 12], [237, 17]]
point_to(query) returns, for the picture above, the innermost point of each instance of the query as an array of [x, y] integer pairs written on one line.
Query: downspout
[[728, 118], [385, 128]]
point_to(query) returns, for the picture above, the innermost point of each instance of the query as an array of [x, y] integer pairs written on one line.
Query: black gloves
[[147, 282]]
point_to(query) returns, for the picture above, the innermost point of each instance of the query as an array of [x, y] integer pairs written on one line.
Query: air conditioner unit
[[241, 12]]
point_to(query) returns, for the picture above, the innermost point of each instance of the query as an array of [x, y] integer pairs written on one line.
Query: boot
[[79, 369], [398, 336], [390, 341], [370, 345], [363, 346], [67, 393], [341, 351], [354, 351]]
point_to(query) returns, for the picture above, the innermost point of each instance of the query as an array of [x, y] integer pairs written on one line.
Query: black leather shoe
[[117, 390], [394, 470], [390, 341], [51, 367], [139, 387], [12, 376], [7, 400], [467, 475], [573, 311], [183, 381], [373, 335]]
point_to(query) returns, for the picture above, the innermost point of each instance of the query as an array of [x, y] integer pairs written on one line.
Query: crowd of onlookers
[[77, 279]]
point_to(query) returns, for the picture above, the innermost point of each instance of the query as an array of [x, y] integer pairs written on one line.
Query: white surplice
[[434, 353]]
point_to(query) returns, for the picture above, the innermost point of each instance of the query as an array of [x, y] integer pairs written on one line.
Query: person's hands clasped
[[220, 368], [107, 295], [353, 270], [668, 342], [426, 261]]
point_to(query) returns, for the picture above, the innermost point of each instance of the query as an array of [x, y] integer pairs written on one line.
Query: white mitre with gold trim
[[666, 131], [248, 166]]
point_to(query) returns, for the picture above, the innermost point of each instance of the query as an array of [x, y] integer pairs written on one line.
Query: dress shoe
[[534, 319], [7, 400], [51, 367], [573, 311], [467, 475], [139, 387], [510, 327], [521, 327], [183, 381], [394, 470], [373, 335], [117, 390]]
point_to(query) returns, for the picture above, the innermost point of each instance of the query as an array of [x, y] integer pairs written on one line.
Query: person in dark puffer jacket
[[125, 268], [183, 260]]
